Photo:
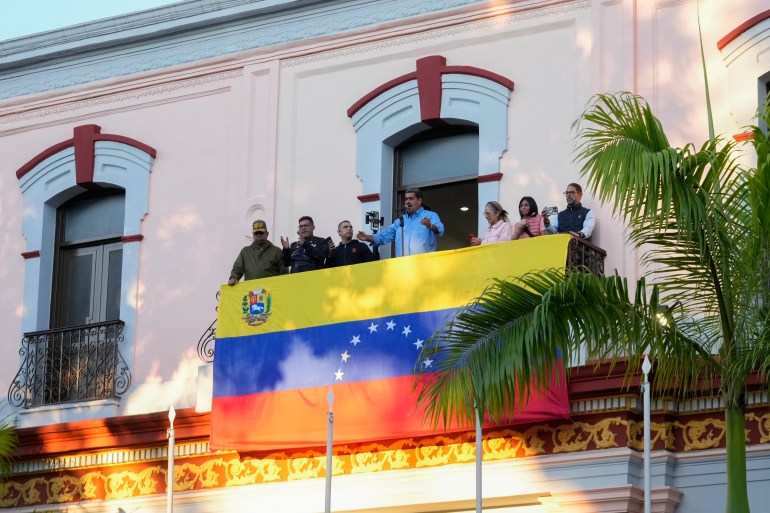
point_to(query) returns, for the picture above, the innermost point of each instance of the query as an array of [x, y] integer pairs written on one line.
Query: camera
[[551, 211], [374, 220]]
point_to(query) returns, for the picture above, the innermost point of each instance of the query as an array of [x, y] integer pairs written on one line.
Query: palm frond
[[502, 347]]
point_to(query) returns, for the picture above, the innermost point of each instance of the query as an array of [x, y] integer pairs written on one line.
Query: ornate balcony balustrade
[[208, 339], [581, 254], [71, 364]]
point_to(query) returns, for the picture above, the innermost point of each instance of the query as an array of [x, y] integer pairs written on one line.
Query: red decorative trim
[[481, 73], [84, 153], [31, 254], [428, 75], [110, 433], [84, 138], [374, 93], [493, 177], [745, 136], [740, 29], [40, 157], [368, 198], [149, 150], [429, 86], [132, 238]]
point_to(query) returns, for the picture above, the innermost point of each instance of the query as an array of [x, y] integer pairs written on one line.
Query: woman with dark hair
[[499, 229], [531, 224]]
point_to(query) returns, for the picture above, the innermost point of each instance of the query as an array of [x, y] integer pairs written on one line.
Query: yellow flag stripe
[[434, 281]]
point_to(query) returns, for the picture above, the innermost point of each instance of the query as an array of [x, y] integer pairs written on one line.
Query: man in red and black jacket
[[350, 251]]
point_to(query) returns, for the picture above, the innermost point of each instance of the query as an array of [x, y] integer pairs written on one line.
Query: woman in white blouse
[[499, 229]]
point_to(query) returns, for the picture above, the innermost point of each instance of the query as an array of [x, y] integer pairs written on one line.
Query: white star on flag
[[418, 344], [407, 331], [356, 340], [391, 324], [338, 375], [372, 328], [345, 356], [428, 362]]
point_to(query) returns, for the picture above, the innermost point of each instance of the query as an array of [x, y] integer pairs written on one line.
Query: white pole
[[646, 366], [170, 470], [479, 460], [329, 450]]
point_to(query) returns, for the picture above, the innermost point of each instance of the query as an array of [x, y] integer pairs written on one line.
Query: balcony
[[581, 255], [67, 365]]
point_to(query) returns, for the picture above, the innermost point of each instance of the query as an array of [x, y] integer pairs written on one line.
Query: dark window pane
[[94, 217], [440, 159], [79, 287], [114, 271]]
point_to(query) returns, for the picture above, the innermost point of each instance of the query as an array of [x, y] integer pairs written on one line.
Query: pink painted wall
[[265, 135]]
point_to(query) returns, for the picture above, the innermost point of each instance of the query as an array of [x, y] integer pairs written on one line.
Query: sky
[[25, 17]]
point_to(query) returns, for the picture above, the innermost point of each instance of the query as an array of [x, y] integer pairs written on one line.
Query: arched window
[[457, 115], [84, 200], [88, 260], [443, 162]]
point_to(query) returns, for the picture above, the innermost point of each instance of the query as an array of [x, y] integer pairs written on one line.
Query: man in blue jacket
[[576, 219], [414, 232]]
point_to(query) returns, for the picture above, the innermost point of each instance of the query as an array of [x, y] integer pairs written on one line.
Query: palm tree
[[702, 223]]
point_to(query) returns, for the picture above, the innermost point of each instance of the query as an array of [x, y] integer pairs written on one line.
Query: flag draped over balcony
[[282, 341]]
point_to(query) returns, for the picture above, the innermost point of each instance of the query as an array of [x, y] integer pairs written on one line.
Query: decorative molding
[[188, 46], [104, 435], [497, 19], [83, 140], [369, 198], [31, 254], [139, 472], [492, 177], [428, 76], [744, 136], [740, 29], [132, 238], [109, 99]]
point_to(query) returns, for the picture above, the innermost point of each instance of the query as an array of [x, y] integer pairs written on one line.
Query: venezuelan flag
[[283, 341]]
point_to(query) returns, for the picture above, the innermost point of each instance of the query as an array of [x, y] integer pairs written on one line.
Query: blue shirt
[[417, 238]]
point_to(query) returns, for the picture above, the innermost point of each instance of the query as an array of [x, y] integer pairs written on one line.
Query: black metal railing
[[71, 364], [209, 339], [581, 254]]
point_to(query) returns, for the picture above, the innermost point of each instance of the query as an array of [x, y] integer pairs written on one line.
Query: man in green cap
[[259, 260]]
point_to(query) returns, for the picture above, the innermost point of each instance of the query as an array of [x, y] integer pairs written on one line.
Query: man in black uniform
[[309, 252], [350, 251]]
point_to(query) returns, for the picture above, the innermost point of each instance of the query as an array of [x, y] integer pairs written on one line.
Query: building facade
[[137, 151]]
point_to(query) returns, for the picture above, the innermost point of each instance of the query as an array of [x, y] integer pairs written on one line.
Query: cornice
[[146, 94], [500, 16], [208, 35], [120, 474]]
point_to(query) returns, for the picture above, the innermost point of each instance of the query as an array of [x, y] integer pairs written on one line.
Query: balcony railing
[[82, 363], [581, 254]]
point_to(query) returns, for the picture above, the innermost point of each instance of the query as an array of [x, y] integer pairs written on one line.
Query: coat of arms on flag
[[256, 306]]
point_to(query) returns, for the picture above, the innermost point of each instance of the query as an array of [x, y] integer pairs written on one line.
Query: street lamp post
[[170, 471], [646, 367]]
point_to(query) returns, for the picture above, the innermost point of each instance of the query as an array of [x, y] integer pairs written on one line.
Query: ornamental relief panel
[[225, 469]]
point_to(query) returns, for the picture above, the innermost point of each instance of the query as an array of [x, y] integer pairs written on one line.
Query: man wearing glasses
[[309, 252], [576, 220]]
